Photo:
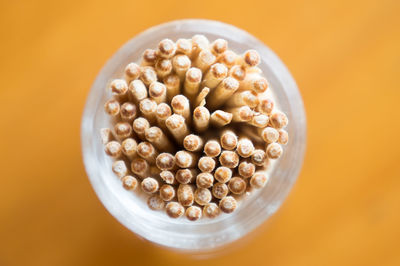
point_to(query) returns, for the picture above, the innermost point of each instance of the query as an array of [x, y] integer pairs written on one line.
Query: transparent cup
[[204, 236]]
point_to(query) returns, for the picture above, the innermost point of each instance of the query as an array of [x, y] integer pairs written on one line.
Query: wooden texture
[[345, 207]]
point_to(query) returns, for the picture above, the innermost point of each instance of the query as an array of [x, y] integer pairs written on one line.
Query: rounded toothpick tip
[[163, 110], [157, 89], [179, 103], [229, 159], [129, 147], [212, 148], [220, 190], [283, 137], [167, 192], [260, 85], [219, 46], [230, 84], [148, 75], [128, 111], [251, 58], [155, 202], [168, 177], [274, 151], [202, 196], [258, 180], [150, 56], [229, 140], [175, 121], [166, 48], [140, 167], [219, 70], [204, 180], [113, 149], [200, 42], [129, 182], [184, 46], [259, 157], [185, 159], [206, 164], [164, 66], [238, 72], [228, 58], [174, 209], [149, 185], [112, 107], [185, 195], [279, 120], [193, 75], [192, 142], [211, 210], [185, 176], [123, 129], [223, 174], [193, 213], [119, 168], [132, 71], [228, 204], [119, 86], [246, 169], [165, 161], [181, 62], [140, 125], [245, 147]]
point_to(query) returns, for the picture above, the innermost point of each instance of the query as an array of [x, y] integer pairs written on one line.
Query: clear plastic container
[[204, 236]]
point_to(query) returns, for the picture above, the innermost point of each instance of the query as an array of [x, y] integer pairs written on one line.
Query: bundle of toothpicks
[[192, 127]]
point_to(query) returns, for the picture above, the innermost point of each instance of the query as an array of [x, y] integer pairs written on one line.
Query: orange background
[[345, 207]]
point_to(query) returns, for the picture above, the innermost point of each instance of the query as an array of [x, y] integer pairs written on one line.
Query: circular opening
[[131, 208]]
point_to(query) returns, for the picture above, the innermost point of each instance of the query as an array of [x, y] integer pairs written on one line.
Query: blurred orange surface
[[345, 56]]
